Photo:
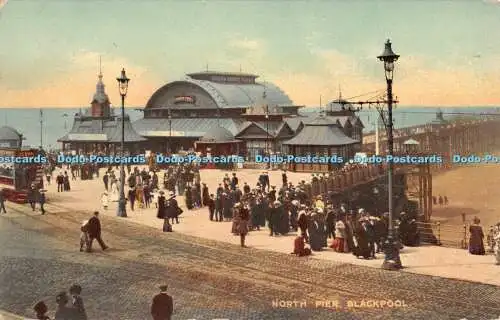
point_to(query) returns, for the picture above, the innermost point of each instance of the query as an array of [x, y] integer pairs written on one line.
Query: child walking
[[105, 200], [84, 236]]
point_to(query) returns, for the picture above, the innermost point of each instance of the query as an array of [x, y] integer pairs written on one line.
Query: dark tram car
[[17, 178]]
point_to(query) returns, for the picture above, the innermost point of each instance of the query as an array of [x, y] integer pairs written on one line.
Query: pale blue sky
[[449, 49]]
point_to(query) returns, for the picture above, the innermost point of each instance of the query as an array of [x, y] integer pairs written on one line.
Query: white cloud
[[76, 85], [246, 44], [416, 81]]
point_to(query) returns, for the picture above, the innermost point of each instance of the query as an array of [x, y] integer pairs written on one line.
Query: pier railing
[[442, 234]]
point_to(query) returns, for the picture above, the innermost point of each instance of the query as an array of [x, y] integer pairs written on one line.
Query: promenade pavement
[[4, 315], [427, 260]]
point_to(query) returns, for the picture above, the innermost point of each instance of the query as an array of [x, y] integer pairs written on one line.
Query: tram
[[17, 178]]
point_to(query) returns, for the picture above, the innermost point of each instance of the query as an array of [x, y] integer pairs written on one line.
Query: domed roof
[[218, 134], [9, 133]]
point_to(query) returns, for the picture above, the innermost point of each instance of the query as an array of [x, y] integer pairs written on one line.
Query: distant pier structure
[[441, 138], [445, 138]]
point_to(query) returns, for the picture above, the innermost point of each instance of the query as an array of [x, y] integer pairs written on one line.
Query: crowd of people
[[321, 221], [293, 208], [70, 306]]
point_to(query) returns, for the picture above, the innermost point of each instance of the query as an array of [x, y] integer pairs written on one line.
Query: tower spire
[[340, 92], [100, 68]]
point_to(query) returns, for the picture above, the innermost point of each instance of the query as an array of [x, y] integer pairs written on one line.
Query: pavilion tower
[[100, 102]]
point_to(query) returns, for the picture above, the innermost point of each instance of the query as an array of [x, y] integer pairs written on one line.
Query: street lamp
[[267, 132], [65, 116], [392, 260], [170, 130], [123, 87]]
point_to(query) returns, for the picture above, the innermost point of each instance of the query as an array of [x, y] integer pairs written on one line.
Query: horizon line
[[313, 106]]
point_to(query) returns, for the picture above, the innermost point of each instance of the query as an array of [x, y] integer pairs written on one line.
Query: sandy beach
[[472, 190]]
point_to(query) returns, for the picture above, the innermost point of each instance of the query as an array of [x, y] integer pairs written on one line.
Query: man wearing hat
[[173, 209], [266, 179], [32, 196], [79, 312], [272, 193], [41, 200], [163, 305], [262, 180], [205, 195], [246, 188], [234, 181], [2, 202], [273, 218], [284, 178], [210, 203], [94, 232], [41, 311]]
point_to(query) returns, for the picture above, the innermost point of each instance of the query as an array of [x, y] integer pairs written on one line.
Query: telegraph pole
[[41, 128]]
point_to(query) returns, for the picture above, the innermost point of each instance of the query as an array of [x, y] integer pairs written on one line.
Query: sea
[[47, 125]]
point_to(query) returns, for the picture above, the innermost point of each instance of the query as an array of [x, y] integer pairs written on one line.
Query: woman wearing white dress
[[155, 195], [496, 239], [105, 200]]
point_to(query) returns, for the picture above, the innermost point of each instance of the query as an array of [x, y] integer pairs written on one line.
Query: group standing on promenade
[[69, 307], [294, 208]]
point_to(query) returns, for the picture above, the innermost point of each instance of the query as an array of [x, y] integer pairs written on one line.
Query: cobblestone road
[[208, 279]]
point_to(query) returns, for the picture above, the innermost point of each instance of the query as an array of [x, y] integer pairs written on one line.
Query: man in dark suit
[[105, 179], [2, 202], [162, 306], [94, 230], [60, 182]]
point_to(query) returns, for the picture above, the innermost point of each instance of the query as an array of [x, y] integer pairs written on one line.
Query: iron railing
[[448, 235]]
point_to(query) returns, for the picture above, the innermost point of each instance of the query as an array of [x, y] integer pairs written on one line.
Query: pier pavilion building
[[98, 128], [183, 113], [10, 138]]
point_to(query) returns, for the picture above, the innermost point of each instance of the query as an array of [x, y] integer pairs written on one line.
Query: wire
[[365, 94], [445, 113]]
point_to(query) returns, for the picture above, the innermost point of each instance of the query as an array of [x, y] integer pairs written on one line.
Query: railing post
[[464, 241], [438, 233]]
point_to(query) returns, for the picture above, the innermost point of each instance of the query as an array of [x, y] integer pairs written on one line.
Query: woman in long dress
[[496, 240], [105, 200], [476, 244], [243, 225], [338, 243], [139, 196], [315, 236], [236, 219]]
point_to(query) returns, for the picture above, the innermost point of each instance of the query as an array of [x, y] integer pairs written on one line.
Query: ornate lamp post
[[123, 87], [268, 153], [392, 260], [170, 131]]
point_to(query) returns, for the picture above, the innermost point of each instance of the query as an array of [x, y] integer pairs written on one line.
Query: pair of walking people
[[90, 231], [69, 307]]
